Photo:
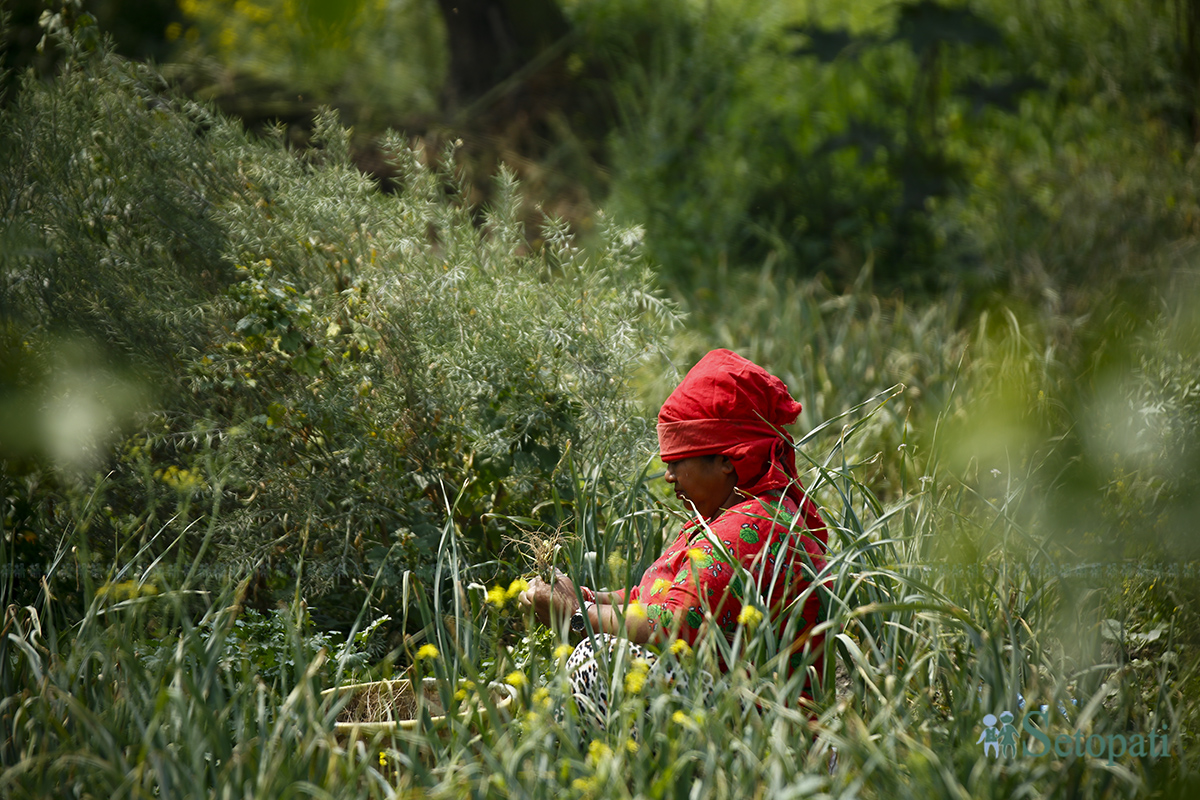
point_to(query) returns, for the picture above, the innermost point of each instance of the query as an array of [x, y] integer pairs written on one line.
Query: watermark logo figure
[[1008, 735], [990, 738]]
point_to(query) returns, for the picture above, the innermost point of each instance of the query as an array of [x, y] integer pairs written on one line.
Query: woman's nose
[[670, 475]]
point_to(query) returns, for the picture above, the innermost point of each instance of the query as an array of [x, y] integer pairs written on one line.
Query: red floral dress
[[694, 575]]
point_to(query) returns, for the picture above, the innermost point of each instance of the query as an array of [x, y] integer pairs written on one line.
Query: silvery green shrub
[[321, 370]]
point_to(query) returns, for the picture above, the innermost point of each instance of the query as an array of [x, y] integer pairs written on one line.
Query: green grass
[[1007, 474], [952, 591], [140, 695]]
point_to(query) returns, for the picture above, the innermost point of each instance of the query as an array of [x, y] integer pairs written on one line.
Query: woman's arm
[[551, 603], [554, 604], [607, 618]]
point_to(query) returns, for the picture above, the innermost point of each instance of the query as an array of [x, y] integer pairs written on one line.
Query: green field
[[291, 406]]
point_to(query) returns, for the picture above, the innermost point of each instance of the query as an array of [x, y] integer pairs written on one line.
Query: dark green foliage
[[821, 162], [317, 369], [277, 645], [921, 138], [1143, 441], [107, 239]]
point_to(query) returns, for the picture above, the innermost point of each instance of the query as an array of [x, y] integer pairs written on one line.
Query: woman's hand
[[551, 603]]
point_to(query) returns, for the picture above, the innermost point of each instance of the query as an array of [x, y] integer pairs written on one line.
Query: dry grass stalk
[[540, 548]]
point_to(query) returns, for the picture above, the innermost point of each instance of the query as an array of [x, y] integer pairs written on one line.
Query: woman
[[721, 437]]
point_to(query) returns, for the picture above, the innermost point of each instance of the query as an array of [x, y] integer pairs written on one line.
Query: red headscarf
[[729, 405]]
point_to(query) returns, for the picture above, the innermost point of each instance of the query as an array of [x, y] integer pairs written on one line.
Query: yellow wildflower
[[585, 785], [182, 480], [516, 678], [636, 611], [516, 587], [563, 651], [693, 721], [497, 596], [227, 38], [541, 696], [635, 679], [681, 648], [631, 745], [597, 752], [382, 759], [126, 590], [749, 616], [255, 13], [427, 651]]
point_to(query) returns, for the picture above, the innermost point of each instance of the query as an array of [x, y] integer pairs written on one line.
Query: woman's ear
[[725, 464]]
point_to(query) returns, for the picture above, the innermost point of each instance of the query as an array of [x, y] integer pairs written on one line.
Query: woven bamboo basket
[[385, 706]]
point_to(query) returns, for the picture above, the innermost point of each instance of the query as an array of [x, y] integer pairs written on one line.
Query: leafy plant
[[333, 365], [379, 60], [273, 645]]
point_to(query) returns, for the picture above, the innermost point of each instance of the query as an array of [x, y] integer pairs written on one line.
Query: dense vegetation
[[265, 428]]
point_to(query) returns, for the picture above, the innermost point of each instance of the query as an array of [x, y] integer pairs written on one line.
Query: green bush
[[333, 373], [982, 146], [377, 60], [820, 139]]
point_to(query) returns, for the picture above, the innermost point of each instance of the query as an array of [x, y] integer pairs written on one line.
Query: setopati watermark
[[1001, 738]]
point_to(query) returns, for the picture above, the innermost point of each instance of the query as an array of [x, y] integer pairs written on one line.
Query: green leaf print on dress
[[661, 614]]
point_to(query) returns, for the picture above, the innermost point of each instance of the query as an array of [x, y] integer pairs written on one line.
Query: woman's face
[[706, 482]]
